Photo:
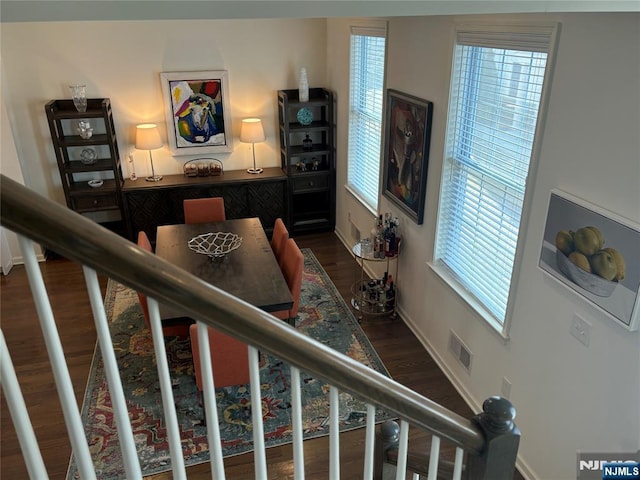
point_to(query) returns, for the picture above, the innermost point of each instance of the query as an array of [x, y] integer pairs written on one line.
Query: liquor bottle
[[307, 143], [389, 242], [391, 297]]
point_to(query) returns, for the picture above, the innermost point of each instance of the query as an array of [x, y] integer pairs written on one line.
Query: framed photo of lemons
[[596, 254], [197, 112]]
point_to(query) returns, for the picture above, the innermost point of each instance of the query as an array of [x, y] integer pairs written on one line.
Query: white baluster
[[259, 456], [371, 438], [121, 413], [401, 467], [434, 458], [210, 404], [296, 421], [19, 414], [168, 404], [457, 466], [334, 434], [64, 386]]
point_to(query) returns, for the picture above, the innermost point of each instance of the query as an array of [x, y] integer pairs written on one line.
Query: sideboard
[[150, 204]]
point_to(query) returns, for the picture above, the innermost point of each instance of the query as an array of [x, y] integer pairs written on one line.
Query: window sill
[[360, 199], [474, 305]]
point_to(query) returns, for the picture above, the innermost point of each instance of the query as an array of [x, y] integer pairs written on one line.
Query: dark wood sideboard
[[150, 204]]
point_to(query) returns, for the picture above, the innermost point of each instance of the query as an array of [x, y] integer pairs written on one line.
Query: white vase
[[303, 86]]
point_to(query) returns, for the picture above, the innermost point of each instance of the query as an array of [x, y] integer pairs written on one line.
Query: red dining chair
[[229, 357], [178, 327], [279, 240], [292, 266], [203, 210]]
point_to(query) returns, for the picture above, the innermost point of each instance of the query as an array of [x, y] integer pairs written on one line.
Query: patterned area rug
[[323, 315]]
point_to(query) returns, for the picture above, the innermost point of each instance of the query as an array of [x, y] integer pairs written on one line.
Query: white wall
[[560, 388], [10, 253], [568, 397], [122, 60]]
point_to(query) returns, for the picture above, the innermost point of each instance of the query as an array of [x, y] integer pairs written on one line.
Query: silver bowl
[[215, 245], [589, 281]]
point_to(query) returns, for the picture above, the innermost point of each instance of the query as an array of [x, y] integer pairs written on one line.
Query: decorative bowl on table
[[215, 245]]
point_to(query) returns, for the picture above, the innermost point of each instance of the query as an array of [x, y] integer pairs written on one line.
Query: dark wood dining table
[[250, 272]]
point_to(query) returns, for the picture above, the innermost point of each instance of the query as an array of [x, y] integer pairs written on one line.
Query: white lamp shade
[[148, 137], [252, 131]]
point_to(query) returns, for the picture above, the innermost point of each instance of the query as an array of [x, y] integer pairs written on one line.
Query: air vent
[[460, 351]]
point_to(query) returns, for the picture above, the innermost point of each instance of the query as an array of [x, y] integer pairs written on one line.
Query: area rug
[[323, 315]]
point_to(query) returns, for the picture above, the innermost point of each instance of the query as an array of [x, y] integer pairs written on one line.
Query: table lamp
[[252, 132], [148, 138]]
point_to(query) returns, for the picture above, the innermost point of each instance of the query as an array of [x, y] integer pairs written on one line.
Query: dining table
[[250, 272]]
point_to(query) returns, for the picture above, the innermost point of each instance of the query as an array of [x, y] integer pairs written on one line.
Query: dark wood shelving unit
[[311, 171], [63, 119]]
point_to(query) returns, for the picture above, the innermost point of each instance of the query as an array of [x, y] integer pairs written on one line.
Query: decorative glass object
[[303, 86], [215, 245], [79, 96], [132, 170], [84, 129], [88, 156], [305, 116]]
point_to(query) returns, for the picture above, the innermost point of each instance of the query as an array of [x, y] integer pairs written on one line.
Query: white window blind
[[365, 112], [496, 90]]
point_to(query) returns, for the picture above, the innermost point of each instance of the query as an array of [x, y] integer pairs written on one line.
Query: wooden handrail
[[82, 240]]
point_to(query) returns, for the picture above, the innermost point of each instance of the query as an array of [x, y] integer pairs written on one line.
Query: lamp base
[[255, 170], [154, 178]]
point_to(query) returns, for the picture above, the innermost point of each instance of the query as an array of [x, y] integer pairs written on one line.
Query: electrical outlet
[[581, 329], [506, 387]]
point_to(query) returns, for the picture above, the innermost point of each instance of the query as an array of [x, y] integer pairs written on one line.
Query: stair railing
[[490, 439]]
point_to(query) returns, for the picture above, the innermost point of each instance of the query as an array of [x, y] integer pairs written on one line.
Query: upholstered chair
[[204, 210], [279, 240], [229, 357], [292, 267], [178, 327]]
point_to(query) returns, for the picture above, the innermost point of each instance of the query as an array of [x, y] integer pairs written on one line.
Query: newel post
[[498, 458], [387, 438]]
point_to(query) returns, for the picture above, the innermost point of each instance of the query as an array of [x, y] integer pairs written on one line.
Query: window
[[366, 89], [496, 92]]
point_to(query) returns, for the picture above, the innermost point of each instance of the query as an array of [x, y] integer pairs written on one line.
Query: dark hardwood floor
[[401, 352]]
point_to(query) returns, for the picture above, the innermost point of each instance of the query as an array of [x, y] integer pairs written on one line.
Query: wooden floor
[[402, 354]]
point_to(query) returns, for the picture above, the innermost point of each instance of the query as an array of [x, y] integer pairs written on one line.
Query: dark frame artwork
[[406, 152]]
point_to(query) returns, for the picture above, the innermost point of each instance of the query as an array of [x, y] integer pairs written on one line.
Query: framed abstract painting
[[197, 112], [406, 152]]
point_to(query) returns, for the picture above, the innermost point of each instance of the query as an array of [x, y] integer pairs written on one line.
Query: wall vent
[[460, 351]]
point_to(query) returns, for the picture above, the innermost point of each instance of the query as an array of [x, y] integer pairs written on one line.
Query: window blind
[[495, 96], [366, 88]]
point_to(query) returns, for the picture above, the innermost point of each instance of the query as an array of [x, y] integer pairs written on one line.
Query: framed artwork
[[197, 112], [595, 254], [406, 152]]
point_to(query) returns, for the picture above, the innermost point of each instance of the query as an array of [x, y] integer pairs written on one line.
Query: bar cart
[[374, 297]]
